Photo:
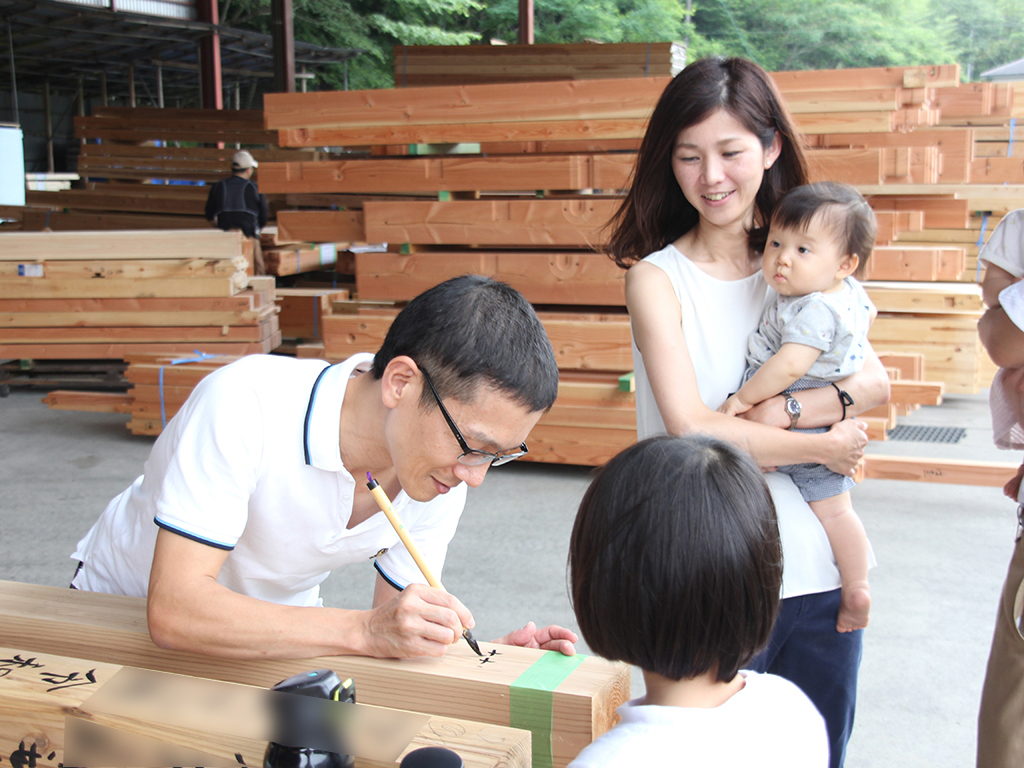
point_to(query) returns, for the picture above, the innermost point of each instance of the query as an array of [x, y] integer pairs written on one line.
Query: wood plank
[[949, 343], [112, 629], [114, 351], [170, 709], [585, 342], [577, 445], [515, 102], [100, 200], [125, 269], [116, 288], [934, 76], [908, 392], [433, 174], [320, 227], [554, 129], [76, 221], [958, 472], [145, 334], [937, 298], [568, 277], [486, 222], [956, 147], [997, 170], [98, 402], [105, 246]]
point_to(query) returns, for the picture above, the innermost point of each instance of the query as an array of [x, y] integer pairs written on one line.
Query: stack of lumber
[[107, 295], [565, 702], [553, 158], [137, 177], [418, 65]]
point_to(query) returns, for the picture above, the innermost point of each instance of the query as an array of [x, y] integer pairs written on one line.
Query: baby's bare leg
[[850, 546]]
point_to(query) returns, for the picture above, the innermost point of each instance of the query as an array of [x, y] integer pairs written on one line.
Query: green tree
[[808, 34], [983, 33]]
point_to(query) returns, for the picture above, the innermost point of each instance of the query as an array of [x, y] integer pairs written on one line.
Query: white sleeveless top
[[718, 316]]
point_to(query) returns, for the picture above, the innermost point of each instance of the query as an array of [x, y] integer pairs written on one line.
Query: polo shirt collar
[[321, 437]]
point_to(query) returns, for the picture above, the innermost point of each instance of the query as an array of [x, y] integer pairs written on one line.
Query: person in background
[[1001, 328], [257, 488], [691, 524], [719, 151], [236, 203], [811, 335]]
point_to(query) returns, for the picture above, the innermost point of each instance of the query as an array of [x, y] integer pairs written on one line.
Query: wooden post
[[282, 30], [131, 85], [526, 22], [48, 117], [160, 86]]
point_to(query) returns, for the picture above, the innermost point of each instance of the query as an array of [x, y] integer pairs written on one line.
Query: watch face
[[792, 406]]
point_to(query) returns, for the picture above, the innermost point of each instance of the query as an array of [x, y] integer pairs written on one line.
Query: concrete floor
[[942, 553]]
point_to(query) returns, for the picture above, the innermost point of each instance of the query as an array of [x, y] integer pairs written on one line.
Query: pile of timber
[[417, 65], [564, 702], [108, 295], [537, 168], [136, 176]]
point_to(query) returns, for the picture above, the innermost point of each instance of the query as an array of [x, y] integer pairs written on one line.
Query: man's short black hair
[[473, 330], [675, 560]]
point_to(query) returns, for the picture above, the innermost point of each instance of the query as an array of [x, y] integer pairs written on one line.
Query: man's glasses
[[471, 457]]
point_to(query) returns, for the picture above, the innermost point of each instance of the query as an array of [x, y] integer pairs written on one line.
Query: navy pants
[[806, 649]]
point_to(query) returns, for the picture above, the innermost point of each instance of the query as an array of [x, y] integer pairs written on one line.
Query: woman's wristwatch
[[793, 409]]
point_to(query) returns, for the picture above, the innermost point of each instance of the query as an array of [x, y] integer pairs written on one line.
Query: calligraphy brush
[[389, 511]]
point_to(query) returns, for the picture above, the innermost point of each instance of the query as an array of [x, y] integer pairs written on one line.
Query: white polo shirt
[[252, 464]]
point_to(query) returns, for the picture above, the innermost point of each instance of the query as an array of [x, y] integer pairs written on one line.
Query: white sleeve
[[1005, 246], [206, 469]]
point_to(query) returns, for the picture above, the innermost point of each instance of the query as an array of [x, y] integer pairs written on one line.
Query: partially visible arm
[[996, 278], [656, 319], [1001, 337], [189, 610], [868, 388], [777, 374]]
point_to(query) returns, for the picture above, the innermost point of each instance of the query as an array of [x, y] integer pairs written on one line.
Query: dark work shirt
[[235, 203]]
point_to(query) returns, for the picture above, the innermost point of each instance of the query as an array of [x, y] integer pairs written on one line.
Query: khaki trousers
[[1001, 718]]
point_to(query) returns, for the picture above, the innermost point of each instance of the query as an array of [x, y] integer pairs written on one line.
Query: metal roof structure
[[65, 43], [1012, 71]]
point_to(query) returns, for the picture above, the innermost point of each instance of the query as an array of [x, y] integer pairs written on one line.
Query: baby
[[813, 334]]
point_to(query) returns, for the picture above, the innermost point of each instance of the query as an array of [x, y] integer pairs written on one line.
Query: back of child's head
[[675, 561], [844, 212]]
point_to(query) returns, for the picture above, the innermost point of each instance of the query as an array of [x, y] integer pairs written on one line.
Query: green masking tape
[[530, 700]]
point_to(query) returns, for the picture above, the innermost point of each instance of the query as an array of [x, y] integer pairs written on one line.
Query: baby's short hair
[[675, 560], [844, 210]]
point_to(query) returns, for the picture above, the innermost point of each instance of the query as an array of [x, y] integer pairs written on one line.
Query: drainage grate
[[927, 434]]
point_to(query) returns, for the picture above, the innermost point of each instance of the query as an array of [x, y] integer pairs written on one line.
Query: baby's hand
[[734, 406]]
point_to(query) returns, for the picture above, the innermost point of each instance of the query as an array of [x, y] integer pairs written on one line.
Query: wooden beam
[[173, 711], [959, 472], [553, 130], [112, 629], [543, 277], [105, 246], [632, 98], [490, 222], [433, 174]]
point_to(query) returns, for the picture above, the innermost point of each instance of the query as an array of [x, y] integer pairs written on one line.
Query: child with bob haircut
[[676, 567], [813, 334]]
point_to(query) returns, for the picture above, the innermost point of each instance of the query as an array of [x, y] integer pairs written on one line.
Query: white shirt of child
[[769, 723]]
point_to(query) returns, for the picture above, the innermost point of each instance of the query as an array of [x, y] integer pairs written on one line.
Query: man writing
[[257, 488], [236, 203]]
